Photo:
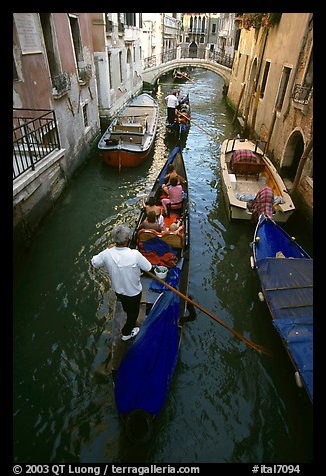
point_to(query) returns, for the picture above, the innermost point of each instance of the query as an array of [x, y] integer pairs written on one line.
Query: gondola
[[143, 367], [129, 139], [245, 166], [285, 271], [179, 76], [181, 125]]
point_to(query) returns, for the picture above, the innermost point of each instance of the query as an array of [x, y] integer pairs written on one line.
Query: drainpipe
[[261, 56], [302, 161]]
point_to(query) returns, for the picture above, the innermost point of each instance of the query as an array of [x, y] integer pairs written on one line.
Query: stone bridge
[[151, 74]]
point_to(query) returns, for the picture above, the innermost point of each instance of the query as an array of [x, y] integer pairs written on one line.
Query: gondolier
[[171, 104], [124, 266]]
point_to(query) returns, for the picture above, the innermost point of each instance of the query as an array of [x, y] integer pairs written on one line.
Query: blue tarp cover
[[298, 335], [287, 284], [144, 375], [158, 246]]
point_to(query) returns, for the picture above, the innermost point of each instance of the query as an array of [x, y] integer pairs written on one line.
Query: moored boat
[[245, 167], [130, 137], [285, 271], [143, 368]]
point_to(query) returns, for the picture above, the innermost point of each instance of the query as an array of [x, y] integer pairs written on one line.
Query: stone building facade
[[54, 107], [271, 88], [118, 60]]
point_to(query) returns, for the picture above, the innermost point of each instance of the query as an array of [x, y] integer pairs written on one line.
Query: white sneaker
[[134, 332]]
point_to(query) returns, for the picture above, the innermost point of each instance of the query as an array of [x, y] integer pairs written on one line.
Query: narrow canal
[[227, 403]]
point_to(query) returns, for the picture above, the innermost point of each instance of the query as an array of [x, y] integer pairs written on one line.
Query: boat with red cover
[[129, 139]]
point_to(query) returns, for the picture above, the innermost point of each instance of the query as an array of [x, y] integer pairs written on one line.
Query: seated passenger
[[151, 223], [150, 206], [262, 203], [171, 173], [174, 193], [176, 227]]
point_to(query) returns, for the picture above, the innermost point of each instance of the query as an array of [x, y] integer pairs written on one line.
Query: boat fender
[[139, 426], [252, 262], [261, 296], [297, 379]]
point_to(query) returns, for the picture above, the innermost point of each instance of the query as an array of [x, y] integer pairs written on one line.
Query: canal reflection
[[227, 402]]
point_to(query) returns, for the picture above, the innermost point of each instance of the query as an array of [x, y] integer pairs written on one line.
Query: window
[[237, 38], [108, 23], [76, 38], [85, 117], [15, 74], [47, 30], [214, 28], [238, 65], [282, 89], [110, 70], [120, 66], [245, 69], [308, 80], [301, 92], [264, 80], [130, 19], [121, 21]]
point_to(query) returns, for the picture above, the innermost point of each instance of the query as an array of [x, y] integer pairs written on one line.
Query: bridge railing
[[187, 53]]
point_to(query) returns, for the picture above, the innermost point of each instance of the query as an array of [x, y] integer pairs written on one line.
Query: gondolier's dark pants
[[171, 114], [131, 305]]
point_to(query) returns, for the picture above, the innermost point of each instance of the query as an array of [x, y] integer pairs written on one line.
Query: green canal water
[[227, 403]]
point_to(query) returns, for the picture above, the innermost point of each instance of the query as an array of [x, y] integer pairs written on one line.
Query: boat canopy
[[144, 375], [287, 284]]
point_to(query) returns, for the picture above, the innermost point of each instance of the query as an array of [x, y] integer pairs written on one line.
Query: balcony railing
[[301, 94], [85, 73], [35, 135], [61, 83], [221, 58]]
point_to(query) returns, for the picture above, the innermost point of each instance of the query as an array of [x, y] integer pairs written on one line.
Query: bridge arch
[[152, 74]]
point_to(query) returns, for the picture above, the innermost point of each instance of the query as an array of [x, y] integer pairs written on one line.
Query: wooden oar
[[200, 127], [257, 347], [186, 76]]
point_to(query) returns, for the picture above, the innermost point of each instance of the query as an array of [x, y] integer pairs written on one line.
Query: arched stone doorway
[[193, 50], [292, 154]]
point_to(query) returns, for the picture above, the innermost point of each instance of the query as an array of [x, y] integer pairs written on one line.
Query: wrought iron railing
[[197, 30], [35, 135], [61, 83], [221, 58], [301, 94], [85, 72]]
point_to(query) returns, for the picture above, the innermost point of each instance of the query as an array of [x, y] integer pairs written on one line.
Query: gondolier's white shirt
[[124, 266], [172, 101]]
